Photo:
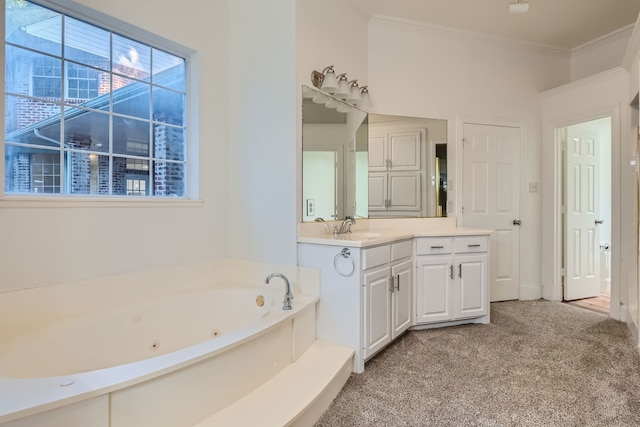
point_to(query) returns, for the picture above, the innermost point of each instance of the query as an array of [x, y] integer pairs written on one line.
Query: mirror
[[407, 167], [334, 158], [370, 166]]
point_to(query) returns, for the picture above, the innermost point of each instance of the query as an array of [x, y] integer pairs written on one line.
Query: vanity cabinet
[[387, 290], [452, 279], [372, 290]]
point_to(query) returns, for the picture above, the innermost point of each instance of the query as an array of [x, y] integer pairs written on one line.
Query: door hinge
[[464, 142]]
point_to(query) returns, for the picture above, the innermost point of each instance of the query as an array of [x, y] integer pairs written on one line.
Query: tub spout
[[288, 295]]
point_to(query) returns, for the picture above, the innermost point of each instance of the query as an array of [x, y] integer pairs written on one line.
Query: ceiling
[[564, 24]]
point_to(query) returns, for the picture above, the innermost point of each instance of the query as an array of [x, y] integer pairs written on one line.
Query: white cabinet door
[[433, 292], [401, 297], [378, 191], [404, 191], [377, 309], [404, 150], [377, 150], [470, 295]]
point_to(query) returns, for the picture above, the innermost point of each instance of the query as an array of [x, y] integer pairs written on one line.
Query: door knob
[[516, 222], [599, 221]]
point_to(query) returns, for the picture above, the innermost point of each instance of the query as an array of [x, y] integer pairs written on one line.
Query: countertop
[[373, 232]]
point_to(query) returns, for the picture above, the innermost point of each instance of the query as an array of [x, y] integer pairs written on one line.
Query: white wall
[[262, 131], [597, 96], [43, 245], [418, 71]]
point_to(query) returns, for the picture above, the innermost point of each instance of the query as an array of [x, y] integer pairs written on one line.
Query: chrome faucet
[[345, 227], [288, 295]]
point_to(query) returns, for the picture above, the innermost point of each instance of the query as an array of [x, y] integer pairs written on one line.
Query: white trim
[[633, 49], [530, 292], [587, 81], [613, 36], [102, 20], [9, 202], [466, 34]]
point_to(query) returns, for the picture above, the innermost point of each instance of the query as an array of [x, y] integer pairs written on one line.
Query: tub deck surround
[[275, 339], [29, 309], [373, 232]]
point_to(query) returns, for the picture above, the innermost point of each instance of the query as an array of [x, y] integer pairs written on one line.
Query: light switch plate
[[311, 207]]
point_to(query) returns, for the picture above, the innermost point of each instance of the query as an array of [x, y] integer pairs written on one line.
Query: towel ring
[[344, 253]]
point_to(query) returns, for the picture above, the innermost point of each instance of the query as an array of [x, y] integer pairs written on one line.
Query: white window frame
[[191, 195]]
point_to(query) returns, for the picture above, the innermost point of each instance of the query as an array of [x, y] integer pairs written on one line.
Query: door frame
[[552, 226], [524, 292]]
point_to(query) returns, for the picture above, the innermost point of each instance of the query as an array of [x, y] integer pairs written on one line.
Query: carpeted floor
[[537, 363]]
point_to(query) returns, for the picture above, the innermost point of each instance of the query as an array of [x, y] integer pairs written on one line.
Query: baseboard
[[530, 292]]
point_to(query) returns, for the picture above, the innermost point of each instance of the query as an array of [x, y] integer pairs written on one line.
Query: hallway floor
[[599, 304]]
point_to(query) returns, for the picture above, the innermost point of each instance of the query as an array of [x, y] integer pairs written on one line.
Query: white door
[[582, 247], [491, 200], [323, 177]]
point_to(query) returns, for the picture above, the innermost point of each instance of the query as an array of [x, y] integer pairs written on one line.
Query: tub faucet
[[345, 227], [288, 295]]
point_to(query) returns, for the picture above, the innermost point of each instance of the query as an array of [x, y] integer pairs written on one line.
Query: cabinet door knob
[[398, 283], [517, 222], [460, 270], [451, 271]]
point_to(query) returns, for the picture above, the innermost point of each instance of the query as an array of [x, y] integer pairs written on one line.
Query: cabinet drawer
[[433, 245], [375, 256], [471, 244], [401, 250]]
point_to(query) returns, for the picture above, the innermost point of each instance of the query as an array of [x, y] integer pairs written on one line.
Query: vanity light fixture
[[326, 80], [354, 92], [518, 6], [341, 88], [343, 91], [365, 99]]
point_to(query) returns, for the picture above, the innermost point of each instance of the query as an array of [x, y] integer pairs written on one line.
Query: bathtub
[[169, 361]]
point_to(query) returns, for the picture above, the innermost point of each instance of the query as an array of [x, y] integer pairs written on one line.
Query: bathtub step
[[297, 396]]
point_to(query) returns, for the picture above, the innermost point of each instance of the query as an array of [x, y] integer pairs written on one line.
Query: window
[[47, 75], [89, 111], [82, 82]]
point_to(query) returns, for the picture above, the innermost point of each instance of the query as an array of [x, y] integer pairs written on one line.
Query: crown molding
[[603, 76], [466, 34], [632, 54], [621, 33]]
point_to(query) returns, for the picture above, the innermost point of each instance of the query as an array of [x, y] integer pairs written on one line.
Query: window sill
[[94, 202]]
